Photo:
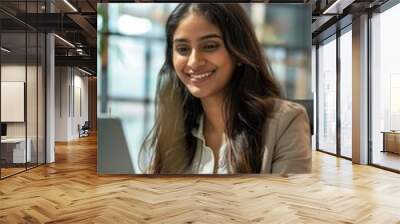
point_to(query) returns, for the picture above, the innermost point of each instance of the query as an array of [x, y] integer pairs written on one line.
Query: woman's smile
[[201, 77]]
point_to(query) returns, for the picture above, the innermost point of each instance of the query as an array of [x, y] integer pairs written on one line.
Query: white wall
[[13, 73], [61, 103], [16, 73], [71, 94]]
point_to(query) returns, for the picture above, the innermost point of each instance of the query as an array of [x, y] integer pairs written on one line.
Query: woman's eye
[[210, 47], [182, 50]]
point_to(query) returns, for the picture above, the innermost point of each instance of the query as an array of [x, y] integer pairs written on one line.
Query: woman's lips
[[201, 76]]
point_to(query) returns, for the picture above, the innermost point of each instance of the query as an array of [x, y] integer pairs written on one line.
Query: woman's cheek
[[179, 67]]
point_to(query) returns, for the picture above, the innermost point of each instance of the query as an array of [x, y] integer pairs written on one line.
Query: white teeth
[[201, 76]]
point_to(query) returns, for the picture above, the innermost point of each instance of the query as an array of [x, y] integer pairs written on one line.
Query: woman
[[218, 108]]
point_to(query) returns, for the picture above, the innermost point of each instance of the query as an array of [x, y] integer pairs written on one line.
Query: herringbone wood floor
[[69, 191]]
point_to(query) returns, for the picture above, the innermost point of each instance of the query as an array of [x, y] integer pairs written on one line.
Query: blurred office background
[[131, 46]]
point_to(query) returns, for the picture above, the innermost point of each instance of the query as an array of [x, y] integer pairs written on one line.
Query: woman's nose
[[195, 59]]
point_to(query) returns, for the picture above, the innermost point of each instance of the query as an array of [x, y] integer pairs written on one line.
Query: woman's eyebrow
[[213, 35], [177, 40]]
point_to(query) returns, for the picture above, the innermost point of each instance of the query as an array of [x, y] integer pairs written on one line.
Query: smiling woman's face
[[200, 57]]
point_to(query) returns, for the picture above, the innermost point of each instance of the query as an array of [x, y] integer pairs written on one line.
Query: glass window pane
[[346, 94], [327, 97], [31, 101], [148, 19], [126, 68], [156, 62], [385, 86], [13, 83]]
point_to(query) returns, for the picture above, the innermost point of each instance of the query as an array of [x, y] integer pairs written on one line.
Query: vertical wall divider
[[26, 86], [46, 34], [60, 89], [338, 99], [369, 78], [45, 94], [317, 97], [37, 89], [69, 92], [73, 92]]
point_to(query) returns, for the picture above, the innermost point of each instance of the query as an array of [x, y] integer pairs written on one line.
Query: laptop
[[113, 154]]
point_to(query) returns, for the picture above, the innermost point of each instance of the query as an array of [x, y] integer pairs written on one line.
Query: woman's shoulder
[[287, 138], [285, 114], [285, 109]]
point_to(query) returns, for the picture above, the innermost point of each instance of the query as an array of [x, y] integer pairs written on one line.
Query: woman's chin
[[205, 92], [198, 93]]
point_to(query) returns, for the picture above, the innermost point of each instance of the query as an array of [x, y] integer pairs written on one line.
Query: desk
[[15, 148], [391, 141]]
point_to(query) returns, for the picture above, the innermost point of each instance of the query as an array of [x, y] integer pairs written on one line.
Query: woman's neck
[[214, 126], [213, 119]]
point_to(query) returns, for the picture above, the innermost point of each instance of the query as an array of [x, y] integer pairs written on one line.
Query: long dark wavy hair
[[170, 146]]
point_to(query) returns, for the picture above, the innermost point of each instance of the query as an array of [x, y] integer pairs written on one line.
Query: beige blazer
[[286, 150], [288, 140]]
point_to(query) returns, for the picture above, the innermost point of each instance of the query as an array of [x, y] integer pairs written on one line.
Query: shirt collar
[[198, 133]]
